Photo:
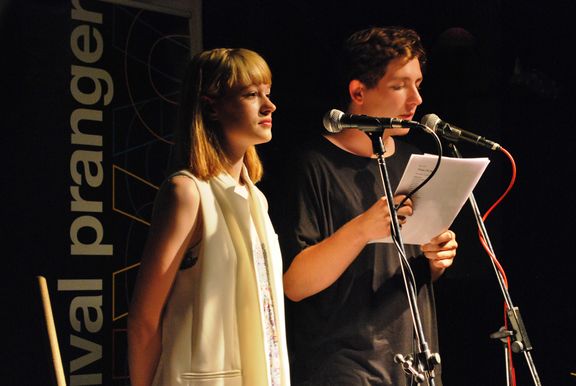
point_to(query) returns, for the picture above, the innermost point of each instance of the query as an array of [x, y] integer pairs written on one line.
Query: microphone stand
[[518, 334], [425, 360]]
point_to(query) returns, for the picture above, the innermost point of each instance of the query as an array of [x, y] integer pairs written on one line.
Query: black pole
[[518, 333], [424, 359]]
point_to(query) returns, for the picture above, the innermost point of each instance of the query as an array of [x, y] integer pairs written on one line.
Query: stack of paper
[[437, 203]]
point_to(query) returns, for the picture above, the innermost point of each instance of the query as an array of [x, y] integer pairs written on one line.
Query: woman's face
[[245, 115]]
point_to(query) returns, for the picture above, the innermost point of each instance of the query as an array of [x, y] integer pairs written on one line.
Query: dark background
[[500, 68]]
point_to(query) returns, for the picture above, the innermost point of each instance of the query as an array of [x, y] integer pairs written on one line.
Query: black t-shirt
[[349, 333]]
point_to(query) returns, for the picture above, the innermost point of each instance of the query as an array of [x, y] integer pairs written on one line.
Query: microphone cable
[[434, 170], [495, 260], [407, 272]]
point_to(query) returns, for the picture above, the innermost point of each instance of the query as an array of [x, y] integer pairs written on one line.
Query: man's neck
[[359, 143]]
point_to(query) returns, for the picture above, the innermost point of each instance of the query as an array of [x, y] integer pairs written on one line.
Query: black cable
[[439, 149]]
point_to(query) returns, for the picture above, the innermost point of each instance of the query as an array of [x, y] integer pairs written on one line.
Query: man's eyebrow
[[404, 78]]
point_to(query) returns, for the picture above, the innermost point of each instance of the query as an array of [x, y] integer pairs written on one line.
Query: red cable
[[497, 263]]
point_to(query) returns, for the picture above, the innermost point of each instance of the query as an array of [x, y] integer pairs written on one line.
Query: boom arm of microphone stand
[[518, 335]]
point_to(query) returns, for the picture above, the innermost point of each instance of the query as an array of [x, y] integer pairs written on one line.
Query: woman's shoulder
[[180, 188], [177, 204]]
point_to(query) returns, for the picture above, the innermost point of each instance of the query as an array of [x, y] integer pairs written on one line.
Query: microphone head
[[331, 121], [430, 120]]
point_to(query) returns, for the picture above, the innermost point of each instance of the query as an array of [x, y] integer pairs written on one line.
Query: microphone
[[451, 132], [335, 121]]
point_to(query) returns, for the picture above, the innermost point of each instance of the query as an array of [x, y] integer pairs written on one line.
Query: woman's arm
[[175, 226]]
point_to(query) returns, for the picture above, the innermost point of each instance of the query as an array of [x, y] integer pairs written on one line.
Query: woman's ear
[[356, 90], [209, 108]]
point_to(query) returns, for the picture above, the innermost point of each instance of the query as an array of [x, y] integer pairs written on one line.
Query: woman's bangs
[[249, 69]]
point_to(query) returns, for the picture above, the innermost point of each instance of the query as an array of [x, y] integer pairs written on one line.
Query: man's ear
[[356, 89]]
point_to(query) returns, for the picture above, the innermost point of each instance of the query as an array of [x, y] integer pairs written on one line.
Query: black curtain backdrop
[[499, 68]]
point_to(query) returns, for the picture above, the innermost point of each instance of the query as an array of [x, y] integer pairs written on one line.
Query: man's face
[[396, 95]]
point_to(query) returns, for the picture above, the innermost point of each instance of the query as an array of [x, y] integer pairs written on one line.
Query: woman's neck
[[235, 169]]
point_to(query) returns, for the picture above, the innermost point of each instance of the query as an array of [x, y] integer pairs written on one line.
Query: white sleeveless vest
[[212, 328]]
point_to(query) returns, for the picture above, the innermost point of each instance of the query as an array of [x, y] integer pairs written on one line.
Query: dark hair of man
[[368, 52]]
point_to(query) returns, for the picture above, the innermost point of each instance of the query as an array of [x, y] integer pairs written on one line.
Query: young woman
[[207, 307]]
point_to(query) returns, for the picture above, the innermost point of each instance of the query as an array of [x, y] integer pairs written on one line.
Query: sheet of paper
[[437, 203]]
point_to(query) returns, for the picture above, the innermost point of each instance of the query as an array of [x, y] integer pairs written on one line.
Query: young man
[[348, 313]]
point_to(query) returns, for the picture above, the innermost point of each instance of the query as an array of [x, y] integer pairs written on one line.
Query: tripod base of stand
[[428, 364]]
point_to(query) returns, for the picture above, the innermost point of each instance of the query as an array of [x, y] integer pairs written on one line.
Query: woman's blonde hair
[[199, 139]]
